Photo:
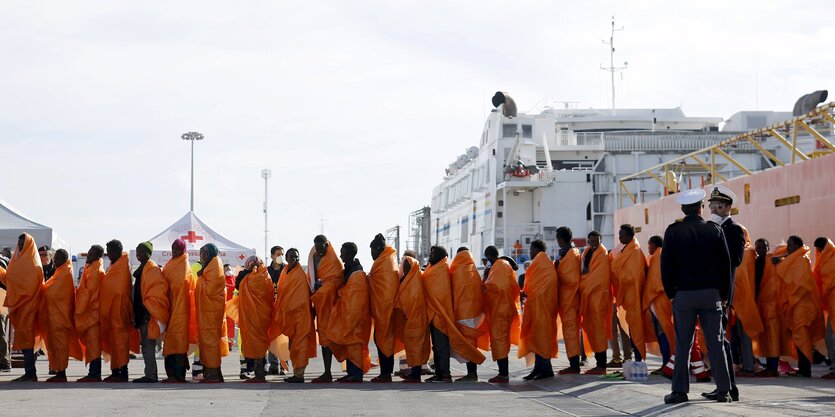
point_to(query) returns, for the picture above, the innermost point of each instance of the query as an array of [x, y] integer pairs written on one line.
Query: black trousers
[[706, 306], [441, 351]]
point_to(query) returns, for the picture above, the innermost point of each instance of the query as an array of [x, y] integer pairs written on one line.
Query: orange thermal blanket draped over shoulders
[[210, 297], [182, 326], [329, 271], [87, 309], [438, 290], [57, 316], [539, 317], [655, 299], [155, 297], [412, 322], [24, 278], [116, 312], [629, 273], [568, 281], [383, 281], [255, 298], [745, 303], [350, 324], [768, 302], [467, 297], [292, 315], [824, 271], [596, 301], [500, 298], [803, 304]]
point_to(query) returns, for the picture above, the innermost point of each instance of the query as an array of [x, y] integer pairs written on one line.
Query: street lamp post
[[192, 136], [266, 174]]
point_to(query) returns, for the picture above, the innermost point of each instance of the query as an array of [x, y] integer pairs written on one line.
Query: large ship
[[532, 173]]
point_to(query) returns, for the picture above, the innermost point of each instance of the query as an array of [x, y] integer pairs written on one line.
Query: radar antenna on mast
[[612, 69]]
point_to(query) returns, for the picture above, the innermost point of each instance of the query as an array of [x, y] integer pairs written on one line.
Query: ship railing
[[541, 176], [785, 133], [571, 138], [629, 142]]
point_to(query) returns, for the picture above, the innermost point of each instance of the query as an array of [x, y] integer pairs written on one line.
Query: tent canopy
[[12, 224], [196, 233]]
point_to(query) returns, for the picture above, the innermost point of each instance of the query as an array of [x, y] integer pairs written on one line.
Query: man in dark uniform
[[696, 273], [720, 202]]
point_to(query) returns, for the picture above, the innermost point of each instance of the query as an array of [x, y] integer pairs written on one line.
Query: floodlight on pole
[[192, 136], [266, 174]]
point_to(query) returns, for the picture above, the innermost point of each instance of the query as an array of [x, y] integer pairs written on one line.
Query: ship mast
[[612, 69]]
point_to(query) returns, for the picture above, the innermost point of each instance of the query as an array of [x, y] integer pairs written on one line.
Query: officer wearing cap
[[720, 201], [696, 273]]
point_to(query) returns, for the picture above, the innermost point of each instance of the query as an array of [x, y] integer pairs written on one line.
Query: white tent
[[196, 234], [12, 224]]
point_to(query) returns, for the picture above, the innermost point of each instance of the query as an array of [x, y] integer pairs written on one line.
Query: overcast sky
[[356, 107]]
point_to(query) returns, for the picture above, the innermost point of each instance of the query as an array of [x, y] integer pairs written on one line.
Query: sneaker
[[322, 379], [768, 373], [569, 371], [381, 379], [440, 379], [26, 378], [499, 379], [5, 368], [596, 371], [89, 378], [614, 364], [145, 380], [294, 379], [468, 378]]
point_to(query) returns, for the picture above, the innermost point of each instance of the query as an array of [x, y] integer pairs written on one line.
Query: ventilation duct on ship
[[509, 109], [472, 152], [804, 104]]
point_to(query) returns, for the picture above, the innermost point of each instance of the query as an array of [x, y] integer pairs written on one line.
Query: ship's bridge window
[[527, 131], [508, 130]]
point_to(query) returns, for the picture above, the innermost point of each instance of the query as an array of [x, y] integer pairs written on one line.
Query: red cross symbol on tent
[[191, 237], [241, 257]]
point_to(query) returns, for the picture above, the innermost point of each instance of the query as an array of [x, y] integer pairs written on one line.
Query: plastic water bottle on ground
[[627, 370]]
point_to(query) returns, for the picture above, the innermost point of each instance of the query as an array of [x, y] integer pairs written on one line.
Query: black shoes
[[732, 395], [675, 398]]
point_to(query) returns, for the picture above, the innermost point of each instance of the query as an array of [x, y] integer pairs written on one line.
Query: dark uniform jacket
[[695, 257], [735, 238]]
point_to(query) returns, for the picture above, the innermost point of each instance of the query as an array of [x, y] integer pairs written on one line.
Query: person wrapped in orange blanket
[[769, 294], [411, 320], [56, 316], [151, 308], [568, 281], [349, 326], [747, 324], [538, 334], [292, 315], [824, 271], [182, 325], [801, 302], [210, 298], [629, 267], [383, 281], [255, 313], [87, 316], [501, 295], [467, 295], [116, 312], [446, 338], [324, 269], [596, 301], [658, 307], [23, 280]]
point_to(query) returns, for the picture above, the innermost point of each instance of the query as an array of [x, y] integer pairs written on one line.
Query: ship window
[[527, 131], [508, 130], [464, 229]]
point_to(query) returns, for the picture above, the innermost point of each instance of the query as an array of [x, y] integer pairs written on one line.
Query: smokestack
[[509, 109], [807, 103]]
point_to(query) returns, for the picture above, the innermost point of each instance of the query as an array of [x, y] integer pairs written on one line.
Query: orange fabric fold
[[538, 334], [210, 298], [768, 303], [438, 290], [383, 282], [656, 299], [329, 271], [568, 304], [629, 275], [255, 298], [117, 312], [349, 327], [802, 303], [596, 301], [501, 295], [824, 271], [411, 319], [87, 316], [57, 318], [745, 303], [24, 278], [467, 298], [155, 297], [182, 324], [292, 315]]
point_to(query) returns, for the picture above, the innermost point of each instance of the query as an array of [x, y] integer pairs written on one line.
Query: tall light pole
[[266, 174], [192, 136]]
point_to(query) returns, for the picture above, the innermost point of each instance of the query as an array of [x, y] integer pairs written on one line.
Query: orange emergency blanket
[[438, 290], [255, 312], [349, 326], [824, 271], [467, 298], [57, 315], [155, 298], [292, 315], [383, 282], [596, 301], [329, 271], [210, 298], [501, 296], [411, 319], [87, 315], [768, 303], [538, 334], [745, 305], [182, 325], [801, 300], [116, 309], [24, 278], [568, 281], [655, 299], [628, 275]]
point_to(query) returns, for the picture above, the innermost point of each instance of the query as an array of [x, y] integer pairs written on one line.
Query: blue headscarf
[[210, 249]]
